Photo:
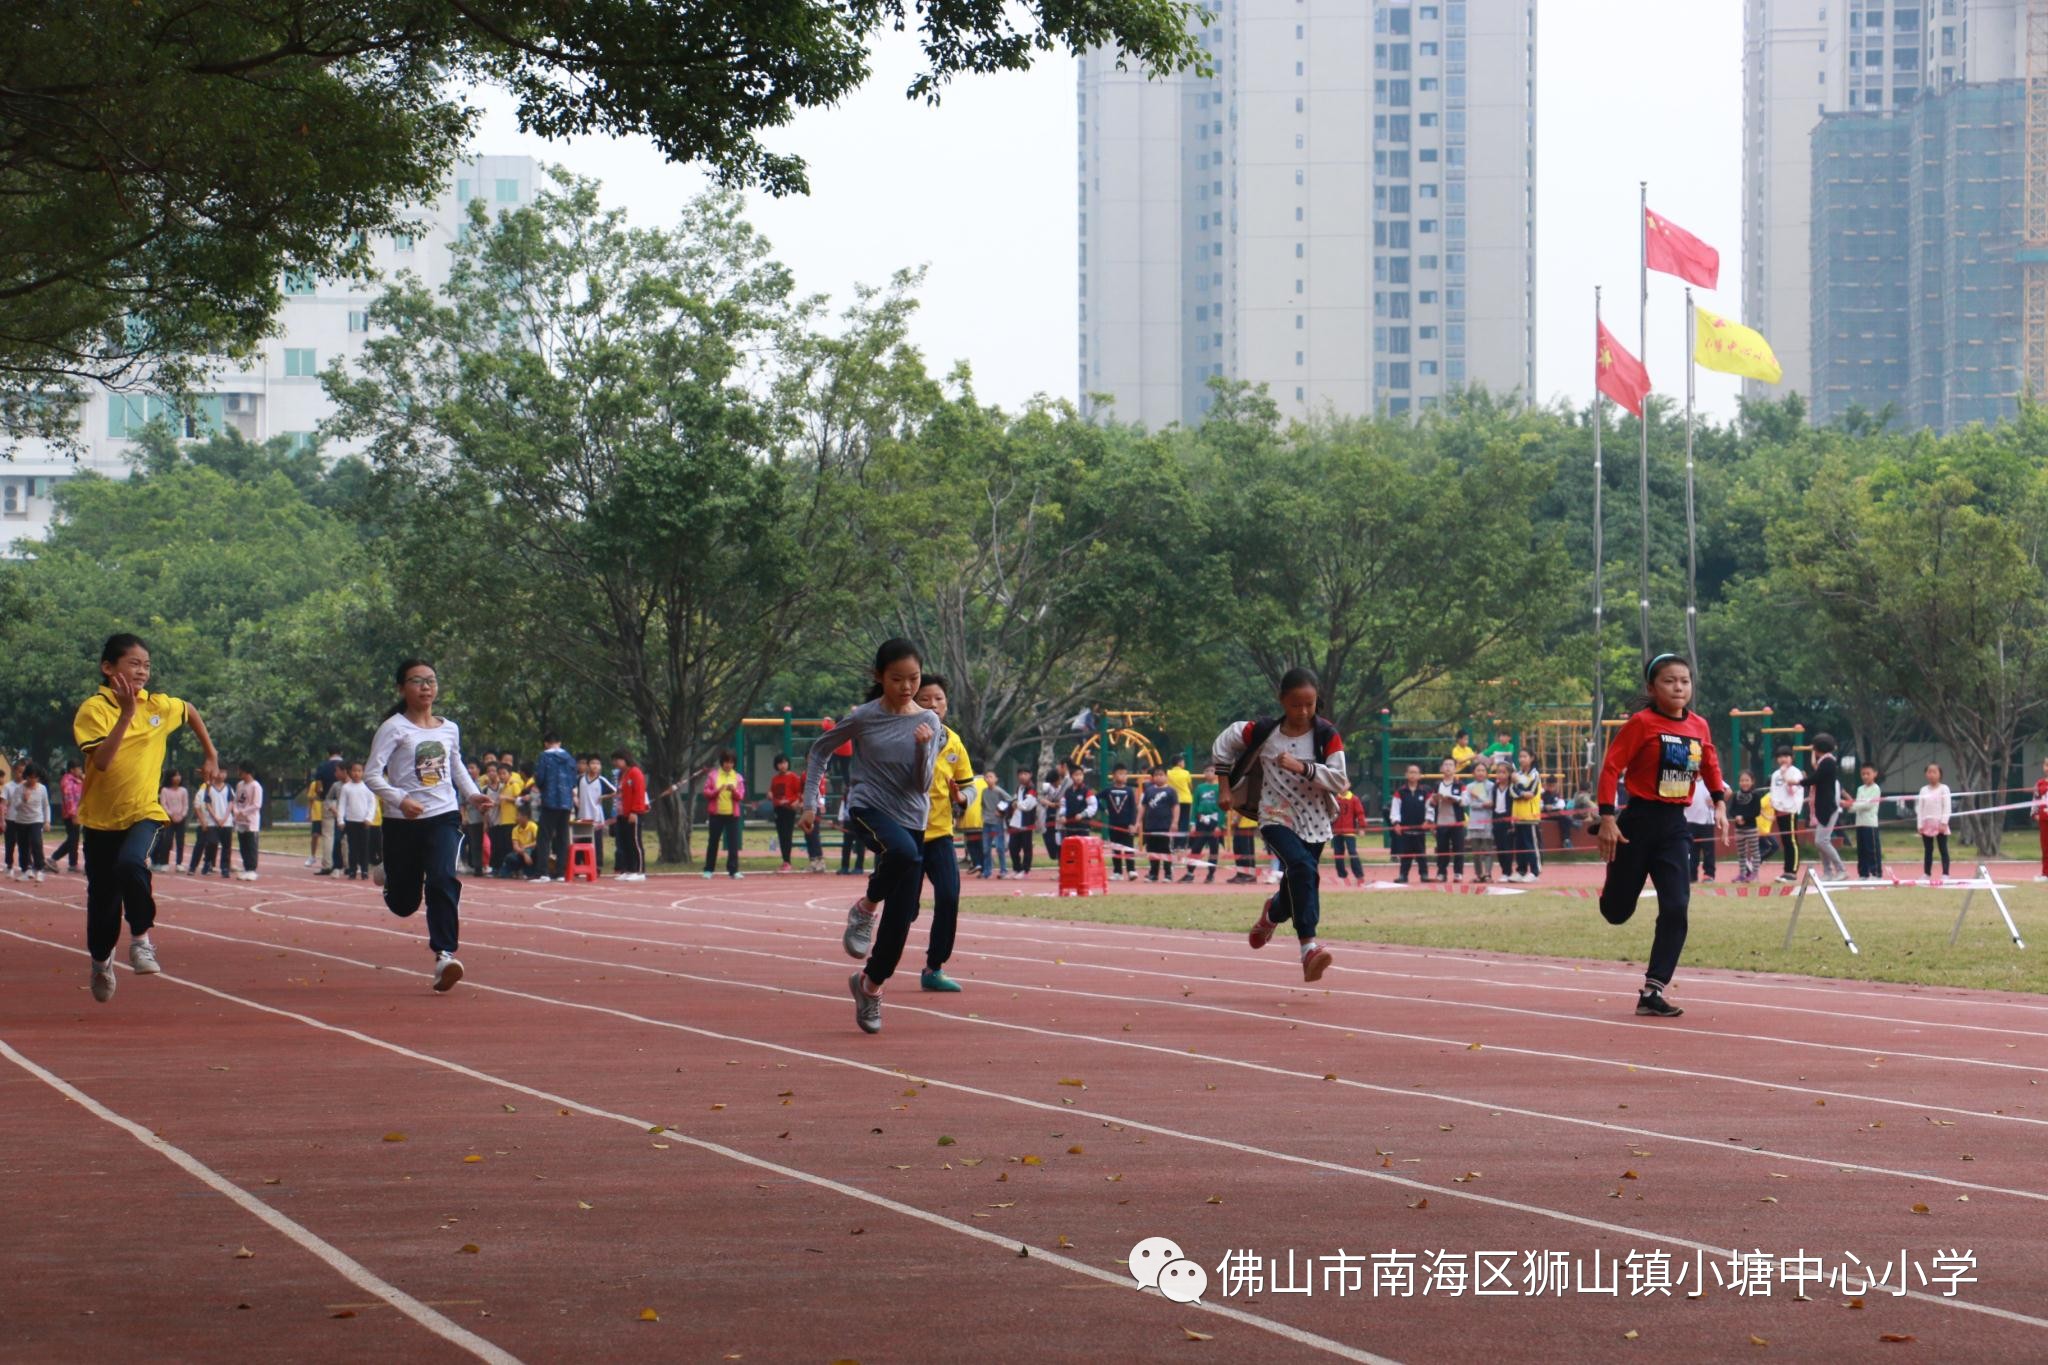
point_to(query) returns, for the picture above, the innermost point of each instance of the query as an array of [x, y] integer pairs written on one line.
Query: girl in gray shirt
[[895, 747]]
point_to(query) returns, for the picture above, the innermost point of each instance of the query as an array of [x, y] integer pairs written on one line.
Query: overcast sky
[[980, 190]]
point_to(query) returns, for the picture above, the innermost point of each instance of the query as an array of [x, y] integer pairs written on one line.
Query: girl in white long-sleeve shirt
[[416, 770], [1299, 762], [1934, 805]]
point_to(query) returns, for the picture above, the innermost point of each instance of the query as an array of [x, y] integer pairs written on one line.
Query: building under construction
[[1918, 229]]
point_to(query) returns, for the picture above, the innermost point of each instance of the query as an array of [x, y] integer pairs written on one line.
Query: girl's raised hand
[[123, 688]]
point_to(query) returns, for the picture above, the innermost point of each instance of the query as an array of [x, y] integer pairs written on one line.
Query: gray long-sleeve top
[[892, 771]]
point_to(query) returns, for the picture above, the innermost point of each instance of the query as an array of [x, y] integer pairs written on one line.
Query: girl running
[[1934, 805], [415, 768], [895, 751], [1290, 770], [1661, 751], [122, 729]]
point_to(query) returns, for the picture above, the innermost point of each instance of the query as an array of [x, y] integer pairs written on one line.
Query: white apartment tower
[[1805, 58], [1344, 211], [277, 392]]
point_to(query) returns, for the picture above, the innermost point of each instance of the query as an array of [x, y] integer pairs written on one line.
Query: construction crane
[[2033, 252]]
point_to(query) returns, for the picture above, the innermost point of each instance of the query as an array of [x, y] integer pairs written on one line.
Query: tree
[[164, 162], [1379, 554], [1931, 566], [588, 412]]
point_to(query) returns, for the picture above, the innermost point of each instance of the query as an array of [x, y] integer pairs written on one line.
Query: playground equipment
[[1122, 736]]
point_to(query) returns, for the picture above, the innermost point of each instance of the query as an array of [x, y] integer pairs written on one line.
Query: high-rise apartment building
[[1916, 284], [277, 392], [1343, 210], [1803, 60]]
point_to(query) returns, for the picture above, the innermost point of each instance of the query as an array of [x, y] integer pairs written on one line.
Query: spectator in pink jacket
[[725, 789]]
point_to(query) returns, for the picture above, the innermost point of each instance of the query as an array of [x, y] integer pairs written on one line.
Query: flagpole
[[1692, 643], [1599, 555], [1643, 452]]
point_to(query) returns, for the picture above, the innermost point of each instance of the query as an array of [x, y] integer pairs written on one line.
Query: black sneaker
[[1654, 1003]]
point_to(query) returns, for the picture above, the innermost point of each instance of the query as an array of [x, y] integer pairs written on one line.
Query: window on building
[[1300, 32], [1299, 177], [1397, 198], [1425, 120], [1397, 270], [1297, 251], [507, 191], [1298, 142], [1299, 393], [1298, 323], [298, 282], [1297, 213], [1426, 298], [1397, 20], [1300, 357], [1425, 334], [1426, 225], [1397, 305], [301, 362], [1427, 367], [1397, 341], [1426, 13], [1297, 286], [1906, 20], [1397, 57], [1299, 104], [402, 243], [300, 441], [462, 193], [1426, 263], [1428, 86], [1397, 374], [358, 320], [1300, 69], [1426, 154]]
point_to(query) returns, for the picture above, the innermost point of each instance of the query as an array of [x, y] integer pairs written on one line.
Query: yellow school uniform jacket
[[508, 803], [127, 790], [952, 763], [970, 815]]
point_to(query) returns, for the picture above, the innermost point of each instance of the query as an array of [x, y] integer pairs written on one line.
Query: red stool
[[1081, 872], [582, 862]]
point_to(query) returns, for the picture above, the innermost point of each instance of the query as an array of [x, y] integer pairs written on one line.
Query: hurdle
[[1985, 882], [1813, 881]]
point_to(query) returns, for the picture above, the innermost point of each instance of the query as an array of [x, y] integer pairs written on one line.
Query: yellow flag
[[1731, 348]]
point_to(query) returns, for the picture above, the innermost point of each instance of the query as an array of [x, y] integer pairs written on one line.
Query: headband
[[1650, 668]]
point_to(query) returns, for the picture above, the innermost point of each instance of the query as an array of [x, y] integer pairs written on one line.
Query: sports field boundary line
[[333, 1257]]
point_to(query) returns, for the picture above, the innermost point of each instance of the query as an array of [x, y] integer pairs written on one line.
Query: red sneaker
[[1315, 964], [1262, 932]]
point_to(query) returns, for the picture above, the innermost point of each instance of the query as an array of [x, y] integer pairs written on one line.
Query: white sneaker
[[707, 876], [2041, 877], [39, 875], [447, 971], [377, 873], [13, 874], [142, 957], [103, 981], [310, 862], [737, 875]]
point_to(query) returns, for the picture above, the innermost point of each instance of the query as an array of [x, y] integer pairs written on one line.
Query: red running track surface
[[1099, 1085]]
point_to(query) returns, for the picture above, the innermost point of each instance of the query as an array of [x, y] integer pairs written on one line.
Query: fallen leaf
[[1112, 1179], [471, 1159], [716, 1107], [856, 1232], [1074, 1081], [1033, 1161], [1075, 1150], [1011, 1205], [1630, 1335], [894, 1167], [216, 1068], [1769, 1199], [946, 1142], [1329, 1075], [1756, 1340], [581, 1205], [1637, 1151], [468, 1249], [658, 1129], [785, 1094], [563, 1112], [244, 1254], [1420, 1204], [1896, 1336], [1443, 1127], [394, 1137], [1473, 1047], [1853, 1303], [972, 1160], [1469, 1175], [1630, 1175], [649, 1315], [1962, 1199], [1818, 1104], [1193, 1335], [344, 1313], [1065, 1240], [1214, 1199], [1920, 1208], [661, 1146], [273, 1180]]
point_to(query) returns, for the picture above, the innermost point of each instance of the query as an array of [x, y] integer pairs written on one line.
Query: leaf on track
[[1920, 1208], [581, 1205], [1469, 1175], [649, 1315], [1474, 1047], [1420, 1204], [946, 1141], [1033, 1161], [1066, 1242], [1213, 1199], [471, 1160], [344, 1313], [1074, 1081], [1630, 1335], [1756, 1340], [1896, 1336], [1630, 1175], [468, 1249], [244, 1254], [1075, 1150], [394, 1137], [1193, 1335]]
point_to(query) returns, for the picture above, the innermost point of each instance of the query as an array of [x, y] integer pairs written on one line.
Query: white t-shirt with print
[[1788, 790], [1298, 801]]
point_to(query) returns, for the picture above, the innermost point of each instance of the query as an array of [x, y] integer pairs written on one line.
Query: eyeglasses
[[421, 680]]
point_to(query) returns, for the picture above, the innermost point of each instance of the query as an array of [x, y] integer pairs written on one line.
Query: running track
[[799, 1205]]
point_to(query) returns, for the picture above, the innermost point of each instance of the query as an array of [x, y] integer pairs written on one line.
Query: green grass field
[[1903, 934]]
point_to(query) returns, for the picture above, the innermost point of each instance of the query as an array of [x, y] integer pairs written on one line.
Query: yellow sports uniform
[[126, 791], [952, 766], [508, 803], [1183, 783], [970, 814], [725, 785], [525, 834], [1529, 808], [313, 802]]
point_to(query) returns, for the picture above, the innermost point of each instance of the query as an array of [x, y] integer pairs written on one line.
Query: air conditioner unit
[[238, 402]]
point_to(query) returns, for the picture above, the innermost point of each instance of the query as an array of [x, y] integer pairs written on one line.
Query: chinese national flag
[[1619, 375], [1671, 249]]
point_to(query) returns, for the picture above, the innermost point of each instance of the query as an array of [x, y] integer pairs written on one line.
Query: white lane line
[[1183, 1055], [372, 1284], [350, 1269], [1341, 992], [1470, 1196], [720, 924]]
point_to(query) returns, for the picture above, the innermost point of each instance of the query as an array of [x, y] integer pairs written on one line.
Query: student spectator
[[28, 814], [358, 804], [554, 783], [1344, 829], [248, 821], [996, 804], [177, 804], [972, 825], [216, 819], [511, 788], [1052, 802], [725, 792], [1447, 810], [1408, 815], [1205, 840], [1788, 798], [1163, 816], [1463, 756], [1078, 807], [631, 806], [1479, 843], [1528, 795], [1699, 827], [1183, 783], [1869, 800], [1745, 811], [1024, 815], [474, 817], [71, 788], [518, 862], [1934, 806], [786, 796], [1120, 815], [1244, 832], [1506, 833]]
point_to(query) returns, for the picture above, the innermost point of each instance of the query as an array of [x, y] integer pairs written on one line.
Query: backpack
[[1246, 780]]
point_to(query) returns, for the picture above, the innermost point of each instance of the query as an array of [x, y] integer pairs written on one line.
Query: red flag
[[1619, 375], [1671, 249]]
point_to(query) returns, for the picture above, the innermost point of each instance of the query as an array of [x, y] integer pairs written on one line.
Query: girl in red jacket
[[1659, 754]]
